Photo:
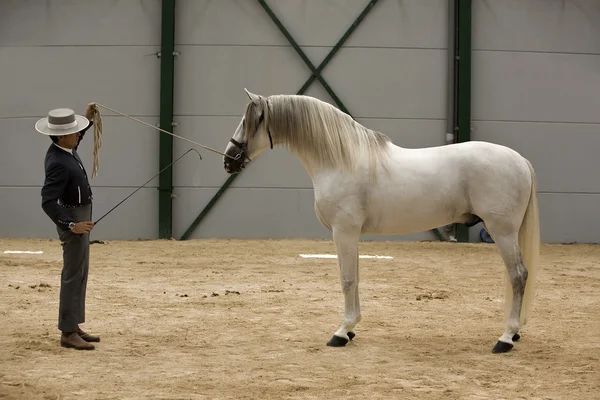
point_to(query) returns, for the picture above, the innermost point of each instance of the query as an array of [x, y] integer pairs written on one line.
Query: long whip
[[149, 180]]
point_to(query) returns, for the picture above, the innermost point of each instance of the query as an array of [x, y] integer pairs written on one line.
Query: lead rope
[[96, 105]]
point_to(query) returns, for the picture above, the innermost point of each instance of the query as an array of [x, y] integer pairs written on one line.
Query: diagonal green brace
[[316, 72]]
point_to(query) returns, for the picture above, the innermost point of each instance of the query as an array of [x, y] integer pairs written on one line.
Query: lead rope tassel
[[97, 119]]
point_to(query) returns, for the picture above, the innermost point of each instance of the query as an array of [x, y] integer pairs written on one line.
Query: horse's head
[[251, 137]]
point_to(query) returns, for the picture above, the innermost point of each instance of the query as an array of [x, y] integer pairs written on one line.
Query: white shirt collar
[[67, 150]]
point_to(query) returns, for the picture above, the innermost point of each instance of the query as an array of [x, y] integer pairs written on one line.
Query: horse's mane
[[317, 131]]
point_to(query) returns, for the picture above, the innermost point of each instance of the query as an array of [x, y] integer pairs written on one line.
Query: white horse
[[363, 183]]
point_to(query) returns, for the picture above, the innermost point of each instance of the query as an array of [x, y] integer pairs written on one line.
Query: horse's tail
[[529, 242]]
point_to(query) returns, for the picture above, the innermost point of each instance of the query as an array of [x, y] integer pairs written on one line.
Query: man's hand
[[83, 227], [89, 112]]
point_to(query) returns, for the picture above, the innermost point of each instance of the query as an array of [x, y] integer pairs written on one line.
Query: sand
[[236, 319]]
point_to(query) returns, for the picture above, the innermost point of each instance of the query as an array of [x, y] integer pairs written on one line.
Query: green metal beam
[[165, 185], [463, 87]]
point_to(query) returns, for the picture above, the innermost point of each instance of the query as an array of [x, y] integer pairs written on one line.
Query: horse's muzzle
[[234, 165]]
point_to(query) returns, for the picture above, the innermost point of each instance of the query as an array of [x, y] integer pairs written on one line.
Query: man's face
[[68, 141]]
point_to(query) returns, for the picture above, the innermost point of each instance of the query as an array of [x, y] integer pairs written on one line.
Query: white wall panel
[[79, 23], [391, 83], [64, 53], [570, 26], [382, 83], [41, 78], [404, 23], [127, 156], [210, 80], [136, 218], [565, 156], [510, 86], [569, 217], [22, 214]]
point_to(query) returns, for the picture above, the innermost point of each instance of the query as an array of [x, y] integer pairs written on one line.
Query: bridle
[[243, 146]]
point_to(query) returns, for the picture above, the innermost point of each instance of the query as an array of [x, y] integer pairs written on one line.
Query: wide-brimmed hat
[[61, 121]]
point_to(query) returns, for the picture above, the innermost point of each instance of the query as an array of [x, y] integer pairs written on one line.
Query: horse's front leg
[[346, 241]]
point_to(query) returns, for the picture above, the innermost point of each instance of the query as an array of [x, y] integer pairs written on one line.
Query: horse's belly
[[401, 219], [409, 205]]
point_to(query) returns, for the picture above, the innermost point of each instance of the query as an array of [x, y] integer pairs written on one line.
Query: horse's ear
[[254, 97]]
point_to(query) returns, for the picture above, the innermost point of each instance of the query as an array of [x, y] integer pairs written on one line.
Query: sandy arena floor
[[250, 319]]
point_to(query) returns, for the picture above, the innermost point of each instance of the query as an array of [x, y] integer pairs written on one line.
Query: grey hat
[[61, 121]]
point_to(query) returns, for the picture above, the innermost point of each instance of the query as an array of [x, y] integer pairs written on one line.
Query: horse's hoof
[[337, 341], [516, 337], [351, 335], [502, 347]]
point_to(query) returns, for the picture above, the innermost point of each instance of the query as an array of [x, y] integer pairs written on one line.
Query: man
[[67, 200]]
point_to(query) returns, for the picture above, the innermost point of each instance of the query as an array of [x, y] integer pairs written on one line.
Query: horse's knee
[[348, 284]]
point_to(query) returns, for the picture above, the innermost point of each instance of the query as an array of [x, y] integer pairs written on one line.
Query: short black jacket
[[66, 184]]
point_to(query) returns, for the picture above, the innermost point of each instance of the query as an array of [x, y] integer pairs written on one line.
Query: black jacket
[[66, 183]]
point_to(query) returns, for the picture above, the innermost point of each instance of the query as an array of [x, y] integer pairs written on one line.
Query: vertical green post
[[463, 122], [165, 185]]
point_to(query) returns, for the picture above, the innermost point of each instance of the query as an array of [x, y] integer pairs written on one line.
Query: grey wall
[[535, 88], [66, 54], [391, 75], [536, 85]]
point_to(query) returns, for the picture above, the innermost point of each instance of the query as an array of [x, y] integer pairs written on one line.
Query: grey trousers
[[74, 276]]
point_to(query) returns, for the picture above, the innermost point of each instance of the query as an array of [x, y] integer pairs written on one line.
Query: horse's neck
[[317, 170], [314, 152]]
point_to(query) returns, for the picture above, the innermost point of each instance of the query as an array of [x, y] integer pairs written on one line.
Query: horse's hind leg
[[511, 254], [346, 241]]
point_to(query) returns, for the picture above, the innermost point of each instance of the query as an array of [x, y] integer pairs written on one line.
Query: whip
[[149, 180]]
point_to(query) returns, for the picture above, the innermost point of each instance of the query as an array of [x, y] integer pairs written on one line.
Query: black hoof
[[337, 341], [352, 334], [516, 337], [502, 347]]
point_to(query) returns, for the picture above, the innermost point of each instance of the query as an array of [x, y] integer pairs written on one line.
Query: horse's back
[[430, 187], [475, 160]]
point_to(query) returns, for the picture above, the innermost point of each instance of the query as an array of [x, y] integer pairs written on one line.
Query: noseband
[[242, 146]]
